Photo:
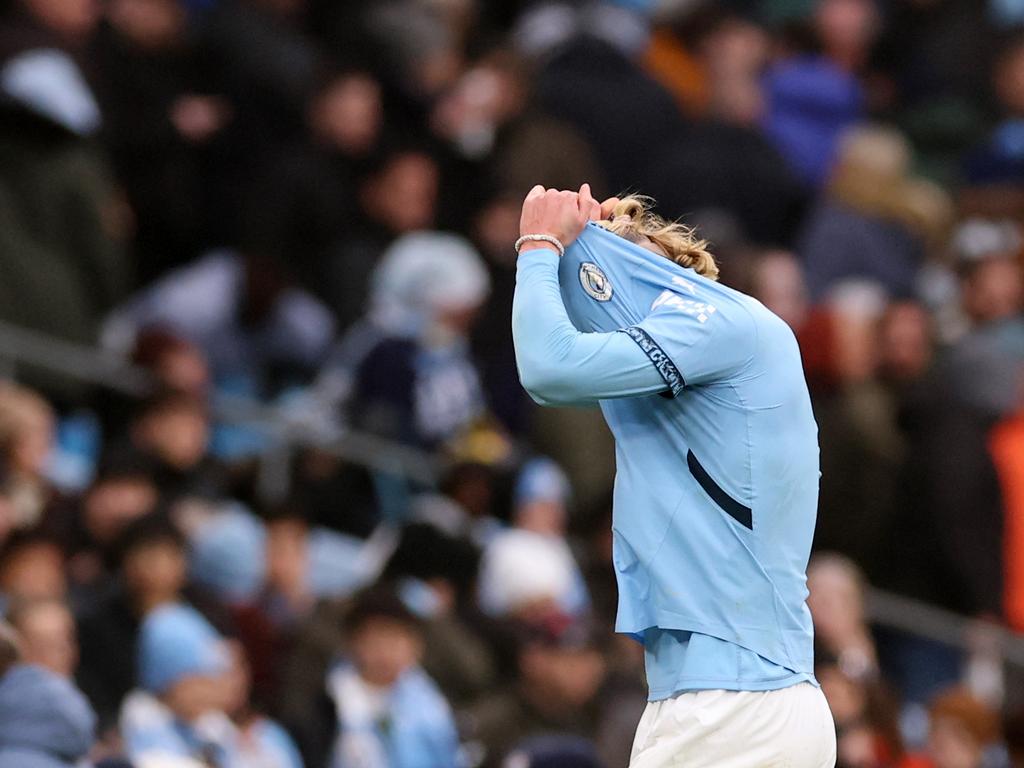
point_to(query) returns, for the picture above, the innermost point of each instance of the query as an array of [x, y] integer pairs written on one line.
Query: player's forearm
[[558, 365]]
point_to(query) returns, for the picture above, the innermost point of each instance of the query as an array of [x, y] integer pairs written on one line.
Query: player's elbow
[[546, 385]]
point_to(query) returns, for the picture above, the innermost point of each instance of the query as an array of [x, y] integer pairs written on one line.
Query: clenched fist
[[560, 214]]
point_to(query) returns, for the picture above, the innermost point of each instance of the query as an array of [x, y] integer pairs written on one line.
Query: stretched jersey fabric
[[717, 463]]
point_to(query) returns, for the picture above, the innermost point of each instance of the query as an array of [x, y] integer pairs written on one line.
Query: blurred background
[[270, 492]]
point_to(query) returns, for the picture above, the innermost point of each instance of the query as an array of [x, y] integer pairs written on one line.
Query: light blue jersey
[[716, 447]]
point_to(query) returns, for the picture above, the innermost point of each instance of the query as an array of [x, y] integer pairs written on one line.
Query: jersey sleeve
[[558, 364], [693, 341]]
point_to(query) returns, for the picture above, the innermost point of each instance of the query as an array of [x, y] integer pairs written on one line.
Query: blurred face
[[383, 649], [110, 506], [835, 602], [287, 555], [846, 698], [184, 370], [1010, 82], [403, 196], [993, 291], [483, 98], [150, 24], [49, 639], [905, 341], [155, 572], [8, 514], [68, 18], [856, 354], [951, 745], [192, 697], [734, 56], [779, 285], [847, 29], [238, 681], [856, 748], [34, 572], [542, 516], [349, 114], [31, 447], [177, 435], [563, 677], [496, 226]]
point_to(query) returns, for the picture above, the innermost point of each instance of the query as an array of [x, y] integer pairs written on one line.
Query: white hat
[[521, 568], [424, 273]]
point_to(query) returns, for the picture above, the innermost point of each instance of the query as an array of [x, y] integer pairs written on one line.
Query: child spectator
[[173, 430], [151, 572], [381, 707], [193, 685], [124, 490]]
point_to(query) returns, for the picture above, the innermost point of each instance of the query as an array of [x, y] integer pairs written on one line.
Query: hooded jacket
[[45, 722]]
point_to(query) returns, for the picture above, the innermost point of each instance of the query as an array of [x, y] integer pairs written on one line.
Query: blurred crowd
[[309, 205]]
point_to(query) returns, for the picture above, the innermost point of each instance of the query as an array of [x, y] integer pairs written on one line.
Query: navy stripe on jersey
[[661, 361], [741, 514]]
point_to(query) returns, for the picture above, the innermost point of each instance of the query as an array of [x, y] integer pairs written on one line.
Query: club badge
[[594, 282]]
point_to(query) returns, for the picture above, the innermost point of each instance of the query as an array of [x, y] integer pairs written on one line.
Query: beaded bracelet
[[541, 239]]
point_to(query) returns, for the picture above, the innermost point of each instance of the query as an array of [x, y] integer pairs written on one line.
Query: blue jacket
[[45, 722]]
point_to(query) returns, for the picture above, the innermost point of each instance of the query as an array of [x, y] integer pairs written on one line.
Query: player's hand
[[558, 213]]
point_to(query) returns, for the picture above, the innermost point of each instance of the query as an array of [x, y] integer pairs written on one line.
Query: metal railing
[[19, 346], [89, 365]]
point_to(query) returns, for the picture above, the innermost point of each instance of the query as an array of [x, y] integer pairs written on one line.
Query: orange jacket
[[1007, 446]]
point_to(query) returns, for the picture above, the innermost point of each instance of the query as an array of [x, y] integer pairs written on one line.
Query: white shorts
[[788, 728]]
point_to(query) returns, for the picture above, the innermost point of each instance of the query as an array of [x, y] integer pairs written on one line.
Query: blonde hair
[[633, 219]]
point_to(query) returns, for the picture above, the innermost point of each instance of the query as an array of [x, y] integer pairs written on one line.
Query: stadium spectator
[[151, 568], [867, 719], [406, 373], [962, 729], [811, 101], [26, 438], [193, 683], [836, 601], [32, 568], [255, 328], [45, 722], [160, 125], [123, 490], [436, 574], [172, 431], [558, 673], [1000, 159], [1015, 740], [875, 220], [63, 223], [380, 707], [48, 635], [778, 281], [10, 647], [396, 193]]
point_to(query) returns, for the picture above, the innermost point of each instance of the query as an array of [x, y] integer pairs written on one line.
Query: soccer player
[[717, 473]]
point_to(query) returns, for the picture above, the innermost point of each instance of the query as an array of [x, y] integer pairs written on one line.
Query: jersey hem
[[697, 684], [773, 646]]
